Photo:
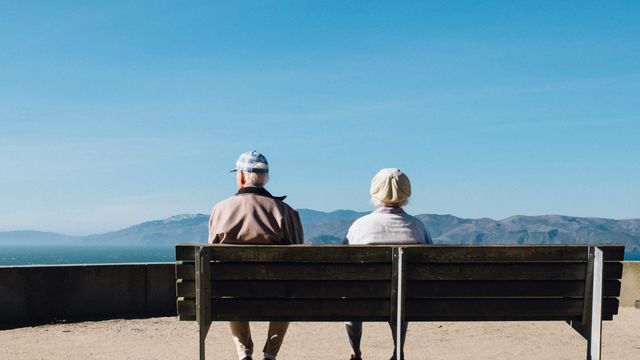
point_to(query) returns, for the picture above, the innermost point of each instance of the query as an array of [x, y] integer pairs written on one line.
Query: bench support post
[[397, 300], [203, 294], [591, 325]]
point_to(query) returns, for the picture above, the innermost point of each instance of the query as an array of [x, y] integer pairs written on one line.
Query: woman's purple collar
[[389, 210]]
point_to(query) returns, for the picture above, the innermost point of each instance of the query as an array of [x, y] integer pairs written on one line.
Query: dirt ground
[[168, 338]]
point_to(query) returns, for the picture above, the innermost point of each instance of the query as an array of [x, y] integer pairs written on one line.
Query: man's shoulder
[[231, 203], [287, 206], [226, 202], [238, 199]]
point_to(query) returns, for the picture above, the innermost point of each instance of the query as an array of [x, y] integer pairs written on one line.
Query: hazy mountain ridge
[[327, 228], [36, 238], [545, 229], [176, 229], [331, 227]]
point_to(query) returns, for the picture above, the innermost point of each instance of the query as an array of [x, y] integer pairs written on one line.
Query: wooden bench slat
[[490, 288], [373, 271], [414, 290], [185, 271], [303, 253], [293, 253], [185, 252], [290, 271], [449, 253], [292, 310], [612, 252], [292, 289], [303, 289], [500, 309], [378, 310], [508, 253], [506, 271], [304, 310], [300, 271]]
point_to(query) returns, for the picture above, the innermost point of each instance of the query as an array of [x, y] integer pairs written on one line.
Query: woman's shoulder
[[364, 220], [361, 228]]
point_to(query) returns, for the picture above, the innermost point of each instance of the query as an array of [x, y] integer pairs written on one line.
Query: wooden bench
[[578, 284]]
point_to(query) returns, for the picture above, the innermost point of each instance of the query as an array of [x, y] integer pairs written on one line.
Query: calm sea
[[629, 256], [51, 255]]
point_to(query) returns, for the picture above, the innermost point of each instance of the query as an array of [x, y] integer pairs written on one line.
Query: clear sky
[[117, 112]]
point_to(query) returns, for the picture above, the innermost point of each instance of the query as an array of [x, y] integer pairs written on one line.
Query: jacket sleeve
[[295, 233], [213, 238]]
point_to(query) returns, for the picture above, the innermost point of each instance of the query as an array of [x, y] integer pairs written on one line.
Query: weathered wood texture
[[292, 253], [416, 289], [503, 289], [507, 271], [539, 309], [291, 271], [415, 271], [321, 289], [294, 282], [507, 253], [332, 283], [506, 283], [293, 309], [436, 253]]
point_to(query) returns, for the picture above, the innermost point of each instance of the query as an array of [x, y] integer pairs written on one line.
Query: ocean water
[[56, 255], [632, 256]]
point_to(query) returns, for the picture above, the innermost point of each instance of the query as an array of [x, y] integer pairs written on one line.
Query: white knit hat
[[390, 186]]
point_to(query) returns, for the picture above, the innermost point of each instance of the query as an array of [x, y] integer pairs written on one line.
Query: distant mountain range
[[331, 227]]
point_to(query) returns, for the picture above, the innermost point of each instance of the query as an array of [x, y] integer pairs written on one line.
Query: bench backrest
[[497, 283], [437, 283], [296, 283]]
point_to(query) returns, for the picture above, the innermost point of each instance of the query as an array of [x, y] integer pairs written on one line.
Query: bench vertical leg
[[397, 300], [203, 294], [591, 325], [594, 345], [203, 336]]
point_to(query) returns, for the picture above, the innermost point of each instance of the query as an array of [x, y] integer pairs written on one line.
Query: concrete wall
[[37, 294], [630, 292]]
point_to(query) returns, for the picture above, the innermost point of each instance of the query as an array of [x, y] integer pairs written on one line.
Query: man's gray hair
[[256, 179]]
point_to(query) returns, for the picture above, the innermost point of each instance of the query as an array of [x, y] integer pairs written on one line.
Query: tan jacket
[[253, 216]]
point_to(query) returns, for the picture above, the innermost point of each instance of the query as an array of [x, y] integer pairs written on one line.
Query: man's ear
[[241, 179]]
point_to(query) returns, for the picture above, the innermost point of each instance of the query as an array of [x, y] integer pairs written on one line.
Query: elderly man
[[254, 216]]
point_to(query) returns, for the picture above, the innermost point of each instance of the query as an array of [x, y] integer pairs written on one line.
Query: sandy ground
[[168, 338]]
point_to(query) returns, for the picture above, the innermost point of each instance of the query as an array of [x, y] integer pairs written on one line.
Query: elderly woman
[[387, 224]]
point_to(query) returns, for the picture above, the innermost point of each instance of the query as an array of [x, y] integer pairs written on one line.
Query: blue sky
[[117, 112]]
